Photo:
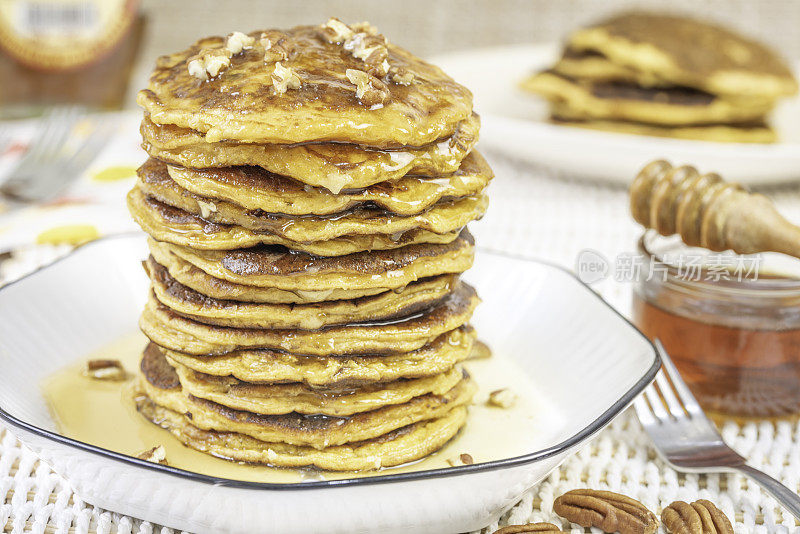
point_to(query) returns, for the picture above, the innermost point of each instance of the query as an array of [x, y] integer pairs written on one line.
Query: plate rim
[[564, 446]]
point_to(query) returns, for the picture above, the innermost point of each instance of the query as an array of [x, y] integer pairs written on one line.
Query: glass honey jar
[[730, 323]]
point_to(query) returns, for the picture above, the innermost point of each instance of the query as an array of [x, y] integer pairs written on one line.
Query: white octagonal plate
[[586, 364]]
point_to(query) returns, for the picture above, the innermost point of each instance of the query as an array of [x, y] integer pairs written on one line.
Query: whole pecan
[[606, 510], [546, 528], [700, 517]]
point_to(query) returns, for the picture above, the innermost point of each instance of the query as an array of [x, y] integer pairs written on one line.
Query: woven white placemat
[[535, 214]]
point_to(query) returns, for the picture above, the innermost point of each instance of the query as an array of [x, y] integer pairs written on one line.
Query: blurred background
[[64, 171], [150, 28]]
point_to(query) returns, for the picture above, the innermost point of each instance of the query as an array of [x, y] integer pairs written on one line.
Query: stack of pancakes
[[306, 202], [666, 76]]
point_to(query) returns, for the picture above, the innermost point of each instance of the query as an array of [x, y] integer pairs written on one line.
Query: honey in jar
[[731, 326]]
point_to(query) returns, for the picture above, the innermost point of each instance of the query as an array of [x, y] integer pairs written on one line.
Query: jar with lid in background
[[731, 323], [56, 52]]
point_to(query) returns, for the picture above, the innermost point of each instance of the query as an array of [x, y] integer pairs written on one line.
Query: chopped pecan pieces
[[371, 49], [275, 49], [335, 31], [606, 510], [546, 528], [502, 398], [216, 60], [363, 41], [206, 208], [369, 89], [284, 78], [238, 41], [157, 455], [111, 370], [462, 459], [700, 517], [197, 68], [210, 62], [401, 76]]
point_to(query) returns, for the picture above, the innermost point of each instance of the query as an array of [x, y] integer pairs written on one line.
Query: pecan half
[[700, 517], [111, 370], [546, 528], [606, 510]]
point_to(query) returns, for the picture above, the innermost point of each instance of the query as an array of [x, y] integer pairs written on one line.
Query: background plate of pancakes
[[640, 121], [586, 362]]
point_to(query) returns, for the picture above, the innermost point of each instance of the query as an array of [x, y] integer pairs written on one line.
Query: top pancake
[[241, 103], [688, 52]]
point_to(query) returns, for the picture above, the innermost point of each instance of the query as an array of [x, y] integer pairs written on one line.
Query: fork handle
[[789, 499]]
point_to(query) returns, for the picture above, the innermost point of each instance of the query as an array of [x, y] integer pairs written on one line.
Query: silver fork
[[52, 162], [688, 440]]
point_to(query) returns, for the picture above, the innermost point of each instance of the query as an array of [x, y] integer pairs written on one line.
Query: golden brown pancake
[[443, 217], [279, 268], [242, 104], [288, 398], [256, 189], [167, 329], [271, 367], [194, 278], [719, 133], [689, 52], [167, 223], [331, 165], [592, 66], [414, 298], [158, 381], [674, 106], [395, 448]]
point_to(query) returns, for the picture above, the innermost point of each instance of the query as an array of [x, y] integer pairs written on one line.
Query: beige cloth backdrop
[[428, 27]]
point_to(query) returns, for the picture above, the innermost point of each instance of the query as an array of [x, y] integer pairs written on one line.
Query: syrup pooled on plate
[[103, 413]]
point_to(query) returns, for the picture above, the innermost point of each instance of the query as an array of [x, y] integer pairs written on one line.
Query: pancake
[[167, 223], [395, 448], [274, 367], [331, 165], [196, 279], [443, 217], [191, 304], [167, 329], [288, 398], [279, 268], [674, 106], [160, 383], [242, 104], [593, 66], [720, 133], [689, 52], [256, 189]]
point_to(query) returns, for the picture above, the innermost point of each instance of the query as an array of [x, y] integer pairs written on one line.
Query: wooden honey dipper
[[708, 212]]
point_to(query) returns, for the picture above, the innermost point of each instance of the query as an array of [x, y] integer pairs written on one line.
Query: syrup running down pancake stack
[[667, 76], [306, 198]]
